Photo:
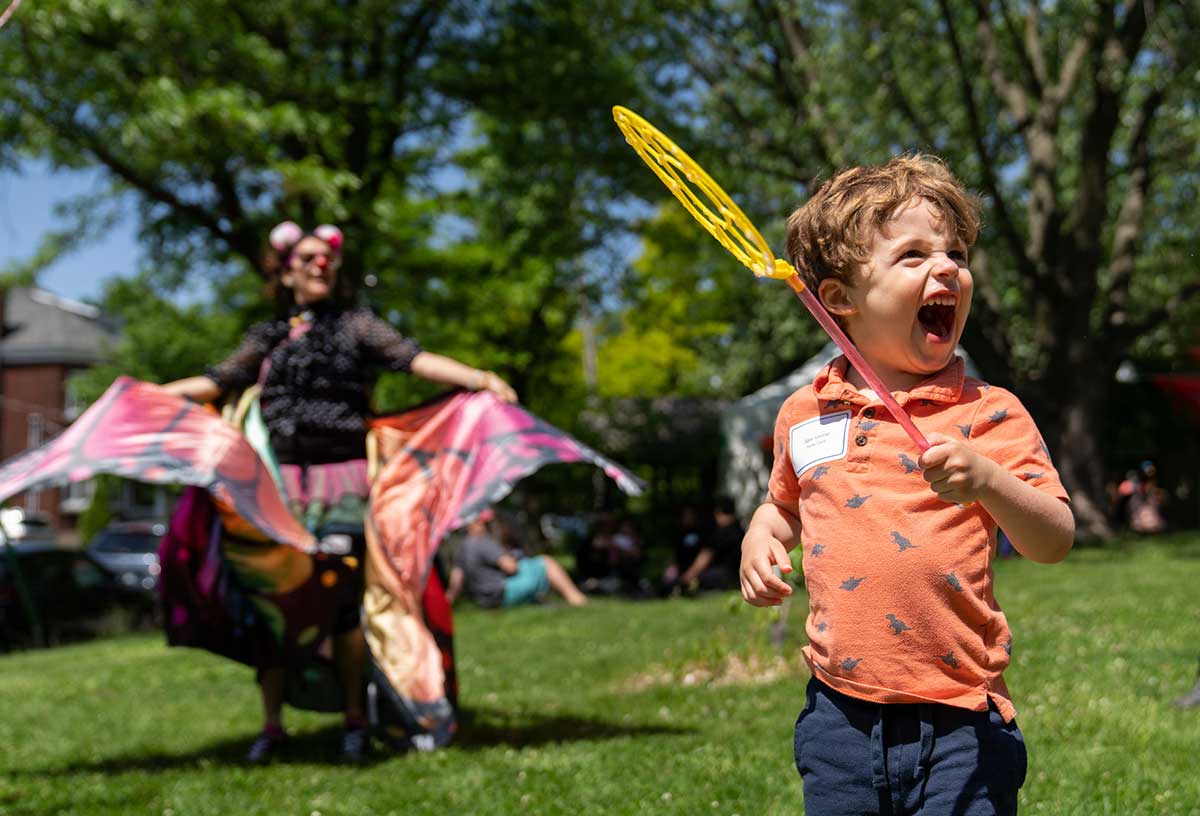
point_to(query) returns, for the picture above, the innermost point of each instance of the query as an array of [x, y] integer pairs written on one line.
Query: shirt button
[[869, 413], [860, 440]]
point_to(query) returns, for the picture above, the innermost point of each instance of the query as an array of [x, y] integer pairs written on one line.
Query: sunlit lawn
[[678, 706]]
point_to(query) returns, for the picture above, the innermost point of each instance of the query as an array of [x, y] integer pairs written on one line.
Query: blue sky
[[27, 201]]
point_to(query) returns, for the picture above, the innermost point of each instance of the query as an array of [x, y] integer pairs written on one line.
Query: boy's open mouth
[[937, 316]]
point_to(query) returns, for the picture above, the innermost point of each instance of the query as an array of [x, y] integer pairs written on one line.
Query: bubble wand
[[725, 221], [8, 12]]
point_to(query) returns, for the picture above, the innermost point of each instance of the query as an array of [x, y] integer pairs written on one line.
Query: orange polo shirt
[[901, 607]]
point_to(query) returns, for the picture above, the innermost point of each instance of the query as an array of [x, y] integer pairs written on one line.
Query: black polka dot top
[[317, 381]]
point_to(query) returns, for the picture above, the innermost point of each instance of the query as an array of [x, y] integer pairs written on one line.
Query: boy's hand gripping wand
[[725, 221]]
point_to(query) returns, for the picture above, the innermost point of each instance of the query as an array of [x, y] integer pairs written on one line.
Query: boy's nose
[[322, 261], [945, 266]]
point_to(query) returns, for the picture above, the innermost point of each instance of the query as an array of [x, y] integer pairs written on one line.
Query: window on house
[[73, 405], [77, 497]]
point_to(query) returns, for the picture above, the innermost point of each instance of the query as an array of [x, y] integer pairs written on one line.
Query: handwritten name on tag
[[820, 439]]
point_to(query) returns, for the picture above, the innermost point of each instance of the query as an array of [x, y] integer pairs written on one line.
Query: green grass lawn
[[678, 706]]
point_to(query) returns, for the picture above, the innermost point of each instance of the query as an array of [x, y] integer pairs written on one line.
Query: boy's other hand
[[956, 472], [761, 551]]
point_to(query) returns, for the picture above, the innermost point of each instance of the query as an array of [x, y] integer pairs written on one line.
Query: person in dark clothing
[[316, 364], [592, 553], [625, 556], [716, 564], [690, 538]]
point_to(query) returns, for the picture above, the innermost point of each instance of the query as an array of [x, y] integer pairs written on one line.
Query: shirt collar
[[945, 386]]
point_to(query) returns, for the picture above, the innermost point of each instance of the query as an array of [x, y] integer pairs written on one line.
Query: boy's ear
[[835, 297]]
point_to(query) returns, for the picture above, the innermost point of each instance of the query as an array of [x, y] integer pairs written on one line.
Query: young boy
[[907, 711]]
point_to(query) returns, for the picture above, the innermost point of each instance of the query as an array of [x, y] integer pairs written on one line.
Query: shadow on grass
[[478, 730], [310, 748]]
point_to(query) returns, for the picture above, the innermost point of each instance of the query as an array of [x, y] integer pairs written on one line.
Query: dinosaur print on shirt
[[891, 547]]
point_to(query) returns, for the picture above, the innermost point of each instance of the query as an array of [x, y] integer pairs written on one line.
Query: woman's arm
[[200, 389], [238, 371], [395, 352], [442, 369]]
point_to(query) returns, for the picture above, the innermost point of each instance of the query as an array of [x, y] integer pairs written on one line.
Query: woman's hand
[[491, 381], [442, 369], [199, 389]]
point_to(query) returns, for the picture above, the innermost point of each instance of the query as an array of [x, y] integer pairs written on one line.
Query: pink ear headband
[[286, 235]]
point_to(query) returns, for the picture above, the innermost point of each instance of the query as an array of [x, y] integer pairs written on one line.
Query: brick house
[[43, 339]]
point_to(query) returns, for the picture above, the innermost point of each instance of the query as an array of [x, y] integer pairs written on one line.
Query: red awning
[[1184, 391]]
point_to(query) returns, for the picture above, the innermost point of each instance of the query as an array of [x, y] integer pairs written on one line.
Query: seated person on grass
[[716, 564], [490, 576]]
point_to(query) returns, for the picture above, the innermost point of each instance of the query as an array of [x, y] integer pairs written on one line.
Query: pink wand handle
[[860, 365]]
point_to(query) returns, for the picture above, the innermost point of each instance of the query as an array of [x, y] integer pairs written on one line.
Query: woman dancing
[[316, 366]]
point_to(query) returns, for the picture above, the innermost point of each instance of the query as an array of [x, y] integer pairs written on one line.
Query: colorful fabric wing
[[435, 467], [475, 448], [256, 602], [438, 465], [139, 431]]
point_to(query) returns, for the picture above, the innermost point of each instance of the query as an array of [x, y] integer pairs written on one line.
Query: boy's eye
[[912, 253], [958, 256]]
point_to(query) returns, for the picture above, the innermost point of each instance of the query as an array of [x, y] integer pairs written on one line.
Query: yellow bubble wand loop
[[725, 221]]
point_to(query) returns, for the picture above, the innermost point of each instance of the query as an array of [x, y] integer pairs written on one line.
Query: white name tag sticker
[[820, 439]]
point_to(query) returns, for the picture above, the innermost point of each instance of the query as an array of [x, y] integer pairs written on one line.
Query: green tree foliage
[[467, 150], [730, 333], [545, 175], [459, 145], [1075, 120], [99, 512], [160, 339]]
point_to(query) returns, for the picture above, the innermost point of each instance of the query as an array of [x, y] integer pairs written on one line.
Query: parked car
[[129, 550], [24, 528], [71, 595]]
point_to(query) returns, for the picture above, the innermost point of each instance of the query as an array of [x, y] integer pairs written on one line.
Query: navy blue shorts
[[860, 758]]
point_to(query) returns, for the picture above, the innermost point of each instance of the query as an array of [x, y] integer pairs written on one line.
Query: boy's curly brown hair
[[831, 234]]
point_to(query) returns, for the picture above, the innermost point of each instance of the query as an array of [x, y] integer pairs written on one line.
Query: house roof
[[41, 328]]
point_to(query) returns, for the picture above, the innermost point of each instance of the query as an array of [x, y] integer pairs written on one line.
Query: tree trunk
[[1071, 407]]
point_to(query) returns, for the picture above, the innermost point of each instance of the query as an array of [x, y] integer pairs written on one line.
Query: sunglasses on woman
[[309, 257]]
